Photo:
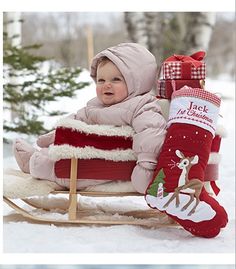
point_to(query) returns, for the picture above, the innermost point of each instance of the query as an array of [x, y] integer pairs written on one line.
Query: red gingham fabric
[[173, 70], [161, 89], [198, 93], [165, 88]]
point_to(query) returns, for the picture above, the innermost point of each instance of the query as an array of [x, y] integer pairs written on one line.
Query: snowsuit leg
[[42, 167]]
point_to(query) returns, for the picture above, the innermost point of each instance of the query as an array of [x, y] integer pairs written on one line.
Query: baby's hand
[[44, 141], [147, 165], [142, 176]]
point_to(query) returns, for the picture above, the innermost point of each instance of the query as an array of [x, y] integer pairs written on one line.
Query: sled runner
[[34, 204], [83, 151]]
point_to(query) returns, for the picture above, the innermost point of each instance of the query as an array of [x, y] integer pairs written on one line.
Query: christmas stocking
[[177, 187]]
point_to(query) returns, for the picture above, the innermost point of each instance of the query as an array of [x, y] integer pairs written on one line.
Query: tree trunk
[[136, 27], [199, 26], [13, 29], [154, 28], [167, 33], [145, 28]]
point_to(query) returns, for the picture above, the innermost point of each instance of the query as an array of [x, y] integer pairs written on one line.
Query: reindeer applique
[[192, 187]]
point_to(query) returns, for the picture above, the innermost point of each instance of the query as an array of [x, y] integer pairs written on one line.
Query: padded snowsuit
[[140, 110]]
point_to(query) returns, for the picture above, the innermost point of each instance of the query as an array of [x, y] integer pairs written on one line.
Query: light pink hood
[[136, 64]]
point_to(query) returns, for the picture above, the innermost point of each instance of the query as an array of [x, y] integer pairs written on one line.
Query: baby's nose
[[107, 84]]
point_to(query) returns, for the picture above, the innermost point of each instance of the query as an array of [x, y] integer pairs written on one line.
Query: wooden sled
[[70, 153], [149, 218], [73, 214]]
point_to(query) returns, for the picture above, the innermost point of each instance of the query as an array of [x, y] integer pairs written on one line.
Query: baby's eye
[[116, 79], [100, 80]]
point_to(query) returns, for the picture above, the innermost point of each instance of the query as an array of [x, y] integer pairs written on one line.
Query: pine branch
[[27, 89]]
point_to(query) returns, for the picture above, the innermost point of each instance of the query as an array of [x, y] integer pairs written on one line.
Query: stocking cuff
[[194, 106]]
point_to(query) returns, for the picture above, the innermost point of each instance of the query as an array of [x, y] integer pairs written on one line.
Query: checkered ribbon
[[174, 70], [184, 66], [161, 88], [166, 87]]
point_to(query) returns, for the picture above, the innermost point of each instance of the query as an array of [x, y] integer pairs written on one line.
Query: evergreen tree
[[152, 190], [27, 88]]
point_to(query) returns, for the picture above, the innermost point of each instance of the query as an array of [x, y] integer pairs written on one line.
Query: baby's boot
[[22, 152]]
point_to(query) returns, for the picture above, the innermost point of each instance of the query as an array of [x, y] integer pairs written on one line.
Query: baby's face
[[111, 87]]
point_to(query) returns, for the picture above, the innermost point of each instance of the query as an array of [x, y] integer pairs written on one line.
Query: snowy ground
[[20, 236], [117, 266]]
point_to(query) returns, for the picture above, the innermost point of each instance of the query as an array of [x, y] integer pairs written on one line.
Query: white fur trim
[[221, 131], [17, 184], [108, 130], [57, 153], [214, 158]]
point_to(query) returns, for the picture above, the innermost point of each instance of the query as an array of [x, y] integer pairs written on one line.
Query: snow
[[21, 236], [139, 266]]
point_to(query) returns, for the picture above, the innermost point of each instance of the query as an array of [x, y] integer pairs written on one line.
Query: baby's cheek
[[98, 91]]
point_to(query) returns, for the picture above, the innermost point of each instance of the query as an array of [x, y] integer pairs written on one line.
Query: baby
[[124, 75]]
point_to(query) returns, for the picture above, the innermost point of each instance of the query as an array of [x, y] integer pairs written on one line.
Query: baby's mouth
[[108, 93]]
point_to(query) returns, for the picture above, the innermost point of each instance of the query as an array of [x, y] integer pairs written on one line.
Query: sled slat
[[37, 219], [73, 191], [101, 193]]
